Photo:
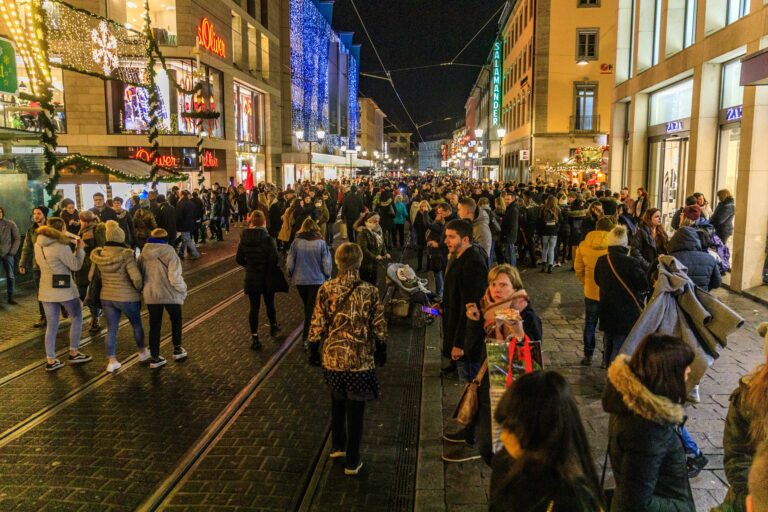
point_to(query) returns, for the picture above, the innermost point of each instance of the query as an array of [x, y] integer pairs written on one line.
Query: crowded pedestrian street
[[347, 255]]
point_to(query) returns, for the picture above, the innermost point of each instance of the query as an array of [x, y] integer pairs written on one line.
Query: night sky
[[416, 33]]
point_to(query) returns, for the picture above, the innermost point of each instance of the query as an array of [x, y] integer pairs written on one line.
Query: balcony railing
[[585, 124]]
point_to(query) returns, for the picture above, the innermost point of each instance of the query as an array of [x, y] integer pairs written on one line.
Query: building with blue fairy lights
[[320, 102]]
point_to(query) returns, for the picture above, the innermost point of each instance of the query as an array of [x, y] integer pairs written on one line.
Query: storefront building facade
[[682, 121]]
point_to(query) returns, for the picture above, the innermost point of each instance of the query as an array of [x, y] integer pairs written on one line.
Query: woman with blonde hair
[[309, 265]]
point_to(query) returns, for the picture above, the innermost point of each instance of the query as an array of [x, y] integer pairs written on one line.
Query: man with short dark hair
[[466, 280], [166, 218], [185, 223], [125, 220], [27, 260], [481, 230], [102, 211]]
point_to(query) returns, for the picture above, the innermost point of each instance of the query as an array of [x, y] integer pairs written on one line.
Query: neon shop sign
[[496, 107], [161, 160], [210, 160], [208, 39]]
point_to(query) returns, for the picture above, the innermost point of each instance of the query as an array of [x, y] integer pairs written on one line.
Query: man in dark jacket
[[199, 233], [186, 225], [125, 220], [510, 227], [28, 262], [102, 211], [465, 282], [258, 254], [166, 218], [352, 208], [622, 281], [685, 246]]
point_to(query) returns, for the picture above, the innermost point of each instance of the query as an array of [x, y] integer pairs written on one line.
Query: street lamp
[[320, 133], [501, 132], [582, 62], [479, 133]]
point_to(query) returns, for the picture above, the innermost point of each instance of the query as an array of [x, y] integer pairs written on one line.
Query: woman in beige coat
[[121, 284]]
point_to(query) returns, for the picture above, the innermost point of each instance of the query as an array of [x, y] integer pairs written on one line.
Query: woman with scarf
[[309, 265], [650, 240], [370, 238]]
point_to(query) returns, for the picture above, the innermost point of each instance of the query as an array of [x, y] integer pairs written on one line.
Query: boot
[[274, 329], [255, 342], [549, 269], [95, 326], [41, 322]]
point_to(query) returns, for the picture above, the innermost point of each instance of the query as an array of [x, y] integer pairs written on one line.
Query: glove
[[380, 354], [314, 354]]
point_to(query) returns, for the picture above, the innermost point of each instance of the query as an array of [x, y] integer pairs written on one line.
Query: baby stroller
[[407, 296]]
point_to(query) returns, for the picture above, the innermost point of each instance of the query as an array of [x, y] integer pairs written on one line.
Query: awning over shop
[[754, 68], [131, 170]]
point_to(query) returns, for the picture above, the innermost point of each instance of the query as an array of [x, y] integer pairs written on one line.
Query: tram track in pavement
[[20, 428], [64, 326], [11, 377]]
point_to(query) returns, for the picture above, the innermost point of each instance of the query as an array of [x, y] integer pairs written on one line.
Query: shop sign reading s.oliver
[[208, 39]]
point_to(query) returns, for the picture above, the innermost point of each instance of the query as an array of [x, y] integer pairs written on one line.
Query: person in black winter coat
[[166, 218], [186, 225], [352, 207], [564, 233], [510, 225], [644, 397], [722, 217], [257, 252], [685, 246], [199, 234], [620, 307], [276, 211]]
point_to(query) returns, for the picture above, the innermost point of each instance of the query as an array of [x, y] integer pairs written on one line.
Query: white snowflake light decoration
[[106, 45]]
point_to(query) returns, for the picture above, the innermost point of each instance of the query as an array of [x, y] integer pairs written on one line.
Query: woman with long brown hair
[[746, 428], [549, 226], [650, 239], [641, 203]]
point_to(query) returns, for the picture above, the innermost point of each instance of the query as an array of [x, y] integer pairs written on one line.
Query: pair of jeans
[[511, 255], [187, 244], [253, 315], [613, 343], [308, 294], [479, 431], [156, 321], [439, 283], [347, 427], [691, 448], [7, 263], [591, 314], [74, 309], [112, 310], [548, 246]]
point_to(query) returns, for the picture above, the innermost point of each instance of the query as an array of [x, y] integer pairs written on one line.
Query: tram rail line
[[44, 413], [11, 377]]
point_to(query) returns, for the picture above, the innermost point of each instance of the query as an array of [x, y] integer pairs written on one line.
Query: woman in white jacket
[[58, 254], [164, 288]]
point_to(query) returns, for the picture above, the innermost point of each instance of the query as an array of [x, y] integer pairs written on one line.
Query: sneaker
[[55, 365], [157, 362], [79, 358], [586, 361], [41, 322], [144, 356], [355, 471], [696, 464], [459, 436], [95, 327], [113, 367], [558, 264], [463, 454], [179, 354], [694, 396], [337, 454]]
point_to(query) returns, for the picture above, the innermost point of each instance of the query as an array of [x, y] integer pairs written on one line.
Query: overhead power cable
[[478, 32]]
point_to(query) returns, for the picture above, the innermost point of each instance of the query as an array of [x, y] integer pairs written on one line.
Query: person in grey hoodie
[[58, 254], [309, 265], [481, 231], [164, 289], [9, 246], [121, 284]]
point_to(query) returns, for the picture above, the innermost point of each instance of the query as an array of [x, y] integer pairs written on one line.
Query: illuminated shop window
[[162, 14], [249, 115], [21, 114]]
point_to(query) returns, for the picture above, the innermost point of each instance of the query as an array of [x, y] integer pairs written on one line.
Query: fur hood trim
[[111, 258], [54, 235], [639, 399]]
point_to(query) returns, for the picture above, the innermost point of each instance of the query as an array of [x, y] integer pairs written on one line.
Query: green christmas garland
[[80, 164]]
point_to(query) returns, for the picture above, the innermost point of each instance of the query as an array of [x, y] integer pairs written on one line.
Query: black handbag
[[59, 280], [93, 293], [276, 282]]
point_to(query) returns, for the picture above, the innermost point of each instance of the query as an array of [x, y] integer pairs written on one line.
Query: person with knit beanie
[[623, 285], [121, 285], [164, 290]]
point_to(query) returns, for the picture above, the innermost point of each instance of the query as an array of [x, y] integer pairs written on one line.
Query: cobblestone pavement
[[17, 320], [559, 301]]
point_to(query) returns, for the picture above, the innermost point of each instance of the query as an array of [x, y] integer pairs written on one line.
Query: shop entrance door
[[668, 164]]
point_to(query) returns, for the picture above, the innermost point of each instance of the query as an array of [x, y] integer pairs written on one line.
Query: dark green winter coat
[[646, 450]]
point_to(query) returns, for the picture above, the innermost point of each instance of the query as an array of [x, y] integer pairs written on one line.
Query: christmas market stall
[[588, 164]]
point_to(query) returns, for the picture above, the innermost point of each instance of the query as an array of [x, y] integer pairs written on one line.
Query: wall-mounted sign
[[209, 159], [8, 82], [161, 160], [733, 113], [674, 126], [525, 155], [496, 96], [606, 68], [208, 39]]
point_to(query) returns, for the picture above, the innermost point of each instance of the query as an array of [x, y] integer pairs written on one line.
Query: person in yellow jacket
[[590, 249]]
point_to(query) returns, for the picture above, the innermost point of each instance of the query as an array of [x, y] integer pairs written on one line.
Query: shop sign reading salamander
[[496, 106], [208, 39]]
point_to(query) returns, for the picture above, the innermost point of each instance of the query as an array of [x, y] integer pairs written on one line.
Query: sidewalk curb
[[747, 294], [430, 473]]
